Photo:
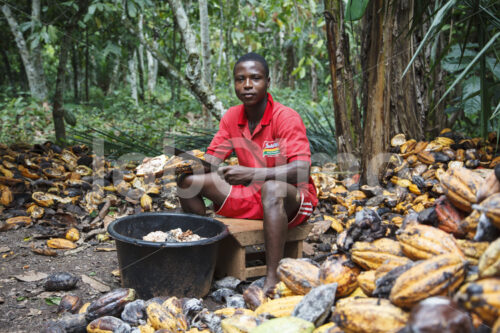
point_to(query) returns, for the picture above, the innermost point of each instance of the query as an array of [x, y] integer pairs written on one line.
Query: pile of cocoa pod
[[54, 189]]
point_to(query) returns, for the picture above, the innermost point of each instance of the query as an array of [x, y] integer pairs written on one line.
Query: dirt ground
[[24, 306]]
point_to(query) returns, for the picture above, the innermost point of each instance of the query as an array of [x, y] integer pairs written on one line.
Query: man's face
[[250, 82]]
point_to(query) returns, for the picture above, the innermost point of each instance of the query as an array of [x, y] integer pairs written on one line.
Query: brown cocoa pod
[[110, 304], [254, 296], [70, 303], [439, 314]]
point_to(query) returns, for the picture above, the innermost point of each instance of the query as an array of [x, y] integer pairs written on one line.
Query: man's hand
[[236, 174]]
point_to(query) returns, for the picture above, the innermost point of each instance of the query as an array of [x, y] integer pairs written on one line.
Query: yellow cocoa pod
[[19, 220], [482, 297], [389, 265], [72, 234], [281, 290], [146, 202], [328, 328], [146, 328], [60, 243], [229, 312], [279, 307], [491, 206], [420, 241], [439, 275], [341, 270], [298, 275], [35, 211], [372, 255], [6, 196], [472, 250], [159, 317], [239, 324], [42, 199], [366, 281], [368, 315], [489, 263]]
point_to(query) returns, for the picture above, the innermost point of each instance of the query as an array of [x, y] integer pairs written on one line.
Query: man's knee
[[273, 192]]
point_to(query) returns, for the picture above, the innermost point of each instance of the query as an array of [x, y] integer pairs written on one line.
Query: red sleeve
[[292, 134], [221, 146]]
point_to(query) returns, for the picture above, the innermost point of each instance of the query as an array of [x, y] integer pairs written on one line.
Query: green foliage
[[23, 120], [355, 9]]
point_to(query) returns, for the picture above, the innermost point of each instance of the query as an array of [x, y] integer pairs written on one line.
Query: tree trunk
[[36, 52], [132, 77], [290, 63], [87, 66], [314, 82], [152, 69], [140, 51], [74, 63], [57, 109], [347, 124], [205, 53], [393, 104], [115, 73], [38, 88], [8, 70], [199, 87]]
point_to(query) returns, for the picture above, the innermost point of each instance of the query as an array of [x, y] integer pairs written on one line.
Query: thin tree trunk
[[314, 82], [37, 88], [140, 51], [87, 66], [57, 109], [36, 52], [347, 125], [74, 63], [114, 75], [152, 69], [197, 84], [8, 70], [205, 40], [205, 52], [132, 77]]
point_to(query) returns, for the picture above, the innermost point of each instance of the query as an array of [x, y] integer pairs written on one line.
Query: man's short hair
[[253, 57]]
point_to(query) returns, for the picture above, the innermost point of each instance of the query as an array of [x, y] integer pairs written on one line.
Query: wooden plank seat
[[232, 258]]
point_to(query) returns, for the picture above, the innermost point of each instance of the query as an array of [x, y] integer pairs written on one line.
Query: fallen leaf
[[116, 273], [34, 312], [53, 300], [99, 286], [107, 220], [31, 276], [4, 249]]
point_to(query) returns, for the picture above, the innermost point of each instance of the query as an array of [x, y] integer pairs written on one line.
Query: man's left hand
[[236, 174]]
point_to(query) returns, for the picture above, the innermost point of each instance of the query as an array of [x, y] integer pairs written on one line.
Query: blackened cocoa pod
[[107, 324], [110, 304], [440, 157], [439, 314], [134, 312], [60, 281], [385, 283], [497, 172], [73, 323], [70, 303]]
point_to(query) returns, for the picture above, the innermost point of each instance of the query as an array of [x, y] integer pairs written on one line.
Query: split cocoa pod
[[299, 276], [341, 270], [436, 276], [460, 187]]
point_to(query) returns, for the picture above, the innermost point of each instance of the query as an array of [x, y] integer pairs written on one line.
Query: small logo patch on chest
[[270, 148]]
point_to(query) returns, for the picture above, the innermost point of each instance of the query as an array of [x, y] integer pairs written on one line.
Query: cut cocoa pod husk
[[439, 275], [422, 242]]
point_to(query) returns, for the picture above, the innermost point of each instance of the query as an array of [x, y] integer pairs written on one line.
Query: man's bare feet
[[269, 284]]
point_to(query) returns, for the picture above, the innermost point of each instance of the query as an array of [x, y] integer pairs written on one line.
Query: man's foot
[[269, 284]]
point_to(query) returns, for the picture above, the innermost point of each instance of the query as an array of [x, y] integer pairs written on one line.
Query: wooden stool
[[232, 257]]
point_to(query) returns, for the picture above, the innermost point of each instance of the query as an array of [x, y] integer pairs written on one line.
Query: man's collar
[[266, 118]]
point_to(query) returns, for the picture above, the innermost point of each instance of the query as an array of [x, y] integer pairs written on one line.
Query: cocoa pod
[[69, 303], [60, 281], [110, 304], [341, 270]]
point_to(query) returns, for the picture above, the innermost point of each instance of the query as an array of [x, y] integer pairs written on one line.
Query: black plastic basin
[[166, 269]]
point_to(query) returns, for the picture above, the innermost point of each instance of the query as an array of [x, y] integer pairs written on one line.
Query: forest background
[[136, 74]]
